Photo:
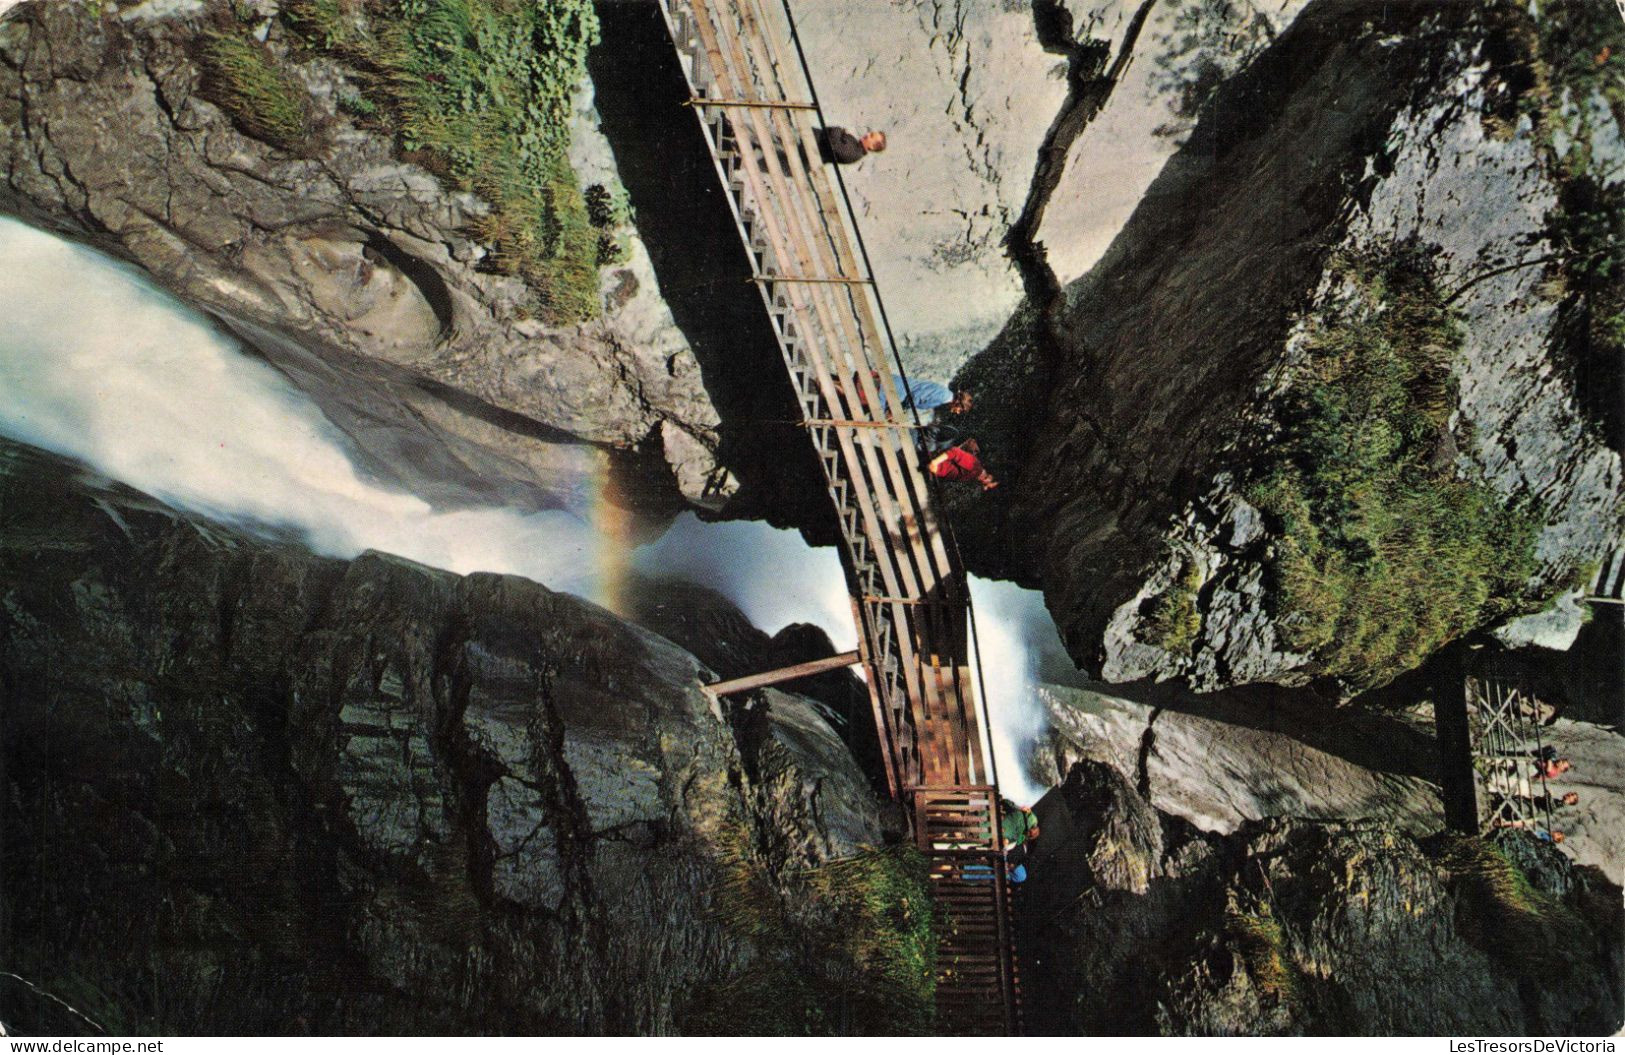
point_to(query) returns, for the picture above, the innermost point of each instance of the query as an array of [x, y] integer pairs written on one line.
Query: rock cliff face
[[350, 269], [1022, 136], [1129, 415], [251, 790], [1243, 761], [1139, 924]]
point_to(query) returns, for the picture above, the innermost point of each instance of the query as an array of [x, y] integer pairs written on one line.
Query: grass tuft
[[1384, 553], [243, 78], [1261, 941], [1174, 623], [845, 949], [480, 92], [1561, 65], [1524, 927]]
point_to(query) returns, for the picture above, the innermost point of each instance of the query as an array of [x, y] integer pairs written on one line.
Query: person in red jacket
[[1552, 768], [960, 463]]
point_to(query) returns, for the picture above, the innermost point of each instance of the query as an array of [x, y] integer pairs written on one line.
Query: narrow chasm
[[1018, 369], [1090, 84], [703, 271]]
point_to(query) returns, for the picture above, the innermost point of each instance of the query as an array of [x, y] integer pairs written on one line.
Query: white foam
[[1011, 624], [98, 365]]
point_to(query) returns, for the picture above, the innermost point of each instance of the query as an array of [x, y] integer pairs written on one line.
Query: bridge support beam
[[774, 677]]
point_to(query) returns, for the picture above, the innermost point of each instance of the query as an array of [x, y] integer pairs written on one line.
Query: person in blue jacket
[[934, 401], [929, 396]]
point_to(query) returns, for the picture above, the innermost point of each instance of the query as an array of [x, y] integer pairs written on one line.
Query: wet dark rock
[[1134, 922], [713, 628], [1221, 762], [250, 790]]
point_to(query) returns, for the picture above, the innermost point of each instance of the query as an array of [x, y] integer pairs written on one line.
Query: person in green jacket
[[1018, 824]]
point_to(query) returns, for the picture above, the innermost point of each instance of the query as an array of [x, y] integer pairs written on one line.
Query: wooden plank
[[832, 317], [760, 104], [883, 729], [946, 642], [783, 674], [915, 653], [766, 213], [824, 250], [810, 280], [943, 698], [823, 192]]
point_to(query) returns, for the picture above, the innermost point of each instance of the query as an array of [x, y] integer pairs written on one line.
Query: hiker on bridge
[[936, 401], [1019, 824], [983, 873], [1534, 827], [837, 146], [962, 463], [1543, 767], [1524, 788], [917, 394], [1552, 768], [923, 395]]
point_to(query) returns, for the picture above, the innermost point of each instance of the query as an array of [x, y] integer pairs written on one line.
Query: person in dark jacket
[[837, 146]]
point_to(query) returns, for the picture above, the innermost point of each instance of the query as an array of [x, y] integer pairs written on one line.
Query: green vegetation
[[607, 216], [1580, 59], [1174, 622], [1580, 54], [1261, 941], [1563, 68], [245, 80], [1504, 913], [847, 948], [480, 93], [1384, 554]]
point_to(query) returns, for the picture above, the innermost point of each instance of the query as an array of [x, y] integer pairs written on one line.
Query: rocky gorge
[[1144, 412], [251, 789], [1303, 927], [1076, 214]]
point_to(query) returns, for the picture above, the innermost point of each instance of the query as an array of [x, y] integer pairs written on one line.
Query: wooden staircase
[[756, 106]]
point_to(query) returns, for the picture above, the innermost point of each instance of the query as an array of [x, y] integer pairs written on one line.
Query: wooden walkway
[[756, 106]]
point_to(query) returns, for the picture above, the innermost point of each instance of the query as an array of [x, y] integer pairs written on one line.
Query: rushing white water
[[98, 365], [1015, 632], [773, 576]]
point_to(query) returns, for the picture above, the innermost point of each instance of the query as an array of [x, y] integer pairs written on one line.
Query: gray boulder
[[1125, 417], [1133, 923]]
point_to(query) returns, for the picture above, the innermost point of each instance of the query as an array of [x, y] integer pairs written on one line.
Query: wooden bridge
[[755, 103], [1504, 721]]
